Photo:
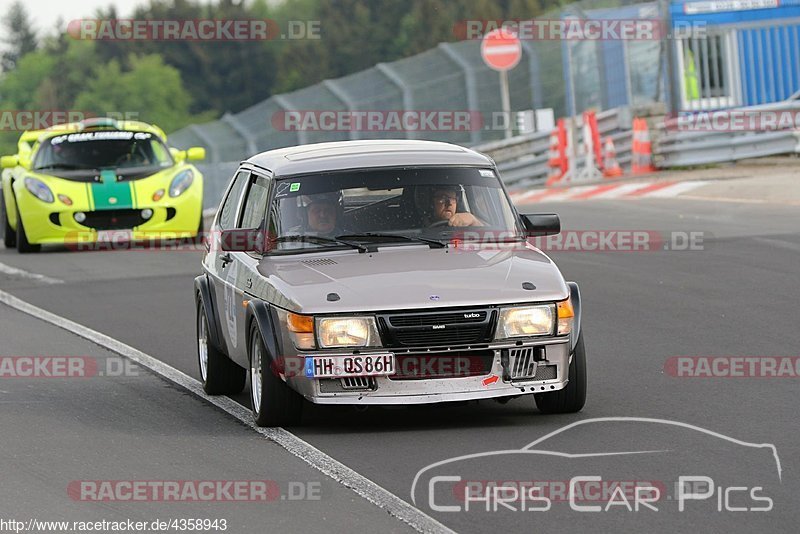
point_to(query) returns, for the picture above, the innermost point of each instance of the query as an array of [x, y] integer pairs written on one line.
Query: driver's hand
[[464, 219]]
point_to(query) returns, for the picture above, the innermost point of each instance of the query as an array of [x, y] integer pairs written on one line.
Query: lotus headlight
[[526, 321], [181, 183], [347, 332], [39, 189]]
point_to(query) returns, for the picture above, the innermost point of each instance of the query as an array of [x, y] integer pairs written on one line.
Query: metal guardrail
[[676, 147], [522, 160]]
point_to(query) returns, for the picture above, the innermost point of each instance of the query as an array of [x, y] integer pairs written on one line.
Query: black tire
[[221, 375], [278, 404], [572, 398], [9, 235], [23, 245]]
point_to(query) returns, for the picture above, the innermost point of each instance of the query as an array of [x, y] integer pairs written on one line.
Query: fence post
[[337, 91], [475, 134], [239, 129], [535, 81], [284, 102], [212, 146], [408, 97]]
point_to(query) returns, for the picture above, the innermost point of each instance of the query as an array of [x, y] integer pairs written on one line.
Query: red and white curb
[[621, 190]]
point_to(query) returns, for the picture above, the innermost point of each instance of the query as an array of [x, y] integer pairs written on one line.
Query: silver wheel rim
[[202, 344], [255, 375]]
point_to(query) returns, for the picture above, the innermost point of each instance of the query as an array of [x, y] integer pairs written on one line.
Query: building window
[[707, 69]]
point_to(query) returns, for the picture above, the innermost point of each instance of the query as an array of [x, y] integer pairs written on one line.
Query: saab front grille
[[113, 219], [442, 328]]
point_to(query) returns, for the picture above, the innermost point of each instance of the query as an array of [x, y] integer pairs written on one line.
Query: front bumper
[[54, 223], [499, 381]]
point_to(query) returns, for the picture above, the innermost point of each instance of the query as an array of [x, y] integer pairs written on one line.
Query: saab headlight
[[39, 189], [526, 321], [181, 183], [335, 332]]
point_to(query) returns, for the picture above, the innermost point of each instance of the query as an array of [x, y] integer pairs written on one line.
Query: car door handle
[[225, 259]]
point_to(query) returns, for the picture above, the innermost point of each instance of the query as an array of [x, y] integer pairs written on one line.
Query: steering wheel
[[437, 224]]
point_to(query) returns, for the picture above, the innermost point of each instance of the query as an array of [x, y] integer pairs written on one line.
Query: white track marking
[[19, 273], [374, 493], [675, 189], [620, 190]]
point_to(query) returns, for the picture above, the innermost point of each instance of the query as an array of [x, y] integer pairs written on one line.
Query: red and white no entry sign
[[501, 49]]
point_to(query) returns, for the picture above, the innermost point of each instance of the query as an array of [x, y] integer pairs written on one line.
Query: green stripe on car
[[110, 193]]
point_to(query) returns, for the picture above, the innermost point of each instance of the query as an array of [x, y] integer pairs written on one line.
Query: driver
[[445, 206], [322, 214]]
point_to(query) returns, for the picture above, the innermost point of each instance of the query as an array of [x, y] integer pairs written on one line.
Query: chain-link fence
[[451, 77]]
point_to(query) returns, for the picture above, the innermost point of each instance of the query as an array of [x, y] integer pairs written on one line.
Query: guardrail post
[[230, 120], [341, 94], [284, 102], [475, 136], [408, 97], [212, 146]]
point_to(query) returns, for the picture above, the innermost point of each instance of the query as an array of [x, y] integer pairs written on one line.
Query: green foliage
[[18, 36], [147, 90], [180, 82]]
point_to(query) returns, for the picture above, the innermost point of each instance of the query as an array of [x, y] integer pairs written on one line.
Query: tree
[[150, 90], [20, 38]]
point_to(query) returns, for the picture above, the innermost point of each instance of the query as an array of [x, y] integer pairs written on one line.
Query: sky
[[45, 13]]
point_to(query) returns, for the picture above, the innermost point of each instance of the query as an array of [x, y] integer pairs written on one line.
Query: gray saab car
[[378, 273]]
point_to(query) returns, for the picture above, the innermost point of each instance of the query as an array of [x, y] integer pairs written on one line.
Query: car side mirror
[[8, 162], [541, 224], [196, 153], [245, 240]]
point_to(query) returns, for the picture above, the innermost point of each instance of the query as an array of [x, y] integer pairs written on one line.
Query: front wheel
[[572, 398], [274, 403], [23, 245], [219, 374], [9, 235]]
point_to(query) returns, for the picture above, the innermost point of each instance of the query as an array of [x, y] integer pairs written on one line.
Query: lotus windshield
[[102, 150], [405, 206]]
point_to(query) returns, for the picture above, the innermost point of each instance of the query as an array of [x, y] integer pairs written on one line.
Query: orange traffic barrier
[[641, 150], [557, 156], [611, 166]]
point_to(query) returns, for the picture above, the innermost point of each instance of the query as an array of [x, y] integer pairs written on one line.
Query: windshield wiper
[[63, 166], [381, 235], [320, 240]]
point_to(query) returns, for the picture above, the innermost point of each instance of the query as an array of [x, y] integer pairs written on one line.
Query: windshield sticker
[[294, 187], [99, 136], [284, 188], [486, 173]]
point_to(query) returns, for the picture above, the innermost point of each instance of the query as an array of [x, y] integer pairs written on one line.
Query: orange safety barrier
[[611, 166], [641, 150], [557, 156]]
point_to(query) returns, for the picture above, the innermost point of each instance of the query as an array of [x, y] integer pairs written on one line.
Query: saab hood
[[412, 277]]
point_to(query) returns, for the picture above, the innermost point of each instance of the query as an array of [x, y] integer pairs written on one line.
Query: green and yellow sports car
[[99, 181]]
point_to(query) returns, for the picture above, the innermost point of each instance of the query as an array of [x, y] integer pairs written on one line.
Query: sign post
[[501, 50]]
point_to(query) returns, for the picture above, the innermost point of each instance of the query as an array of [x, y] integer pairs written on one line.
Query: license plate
[[350, 365], [114, 236]]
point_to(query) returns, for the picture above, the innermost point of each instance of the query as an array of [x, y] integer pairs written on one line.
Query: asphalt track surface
[[736, 296]]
